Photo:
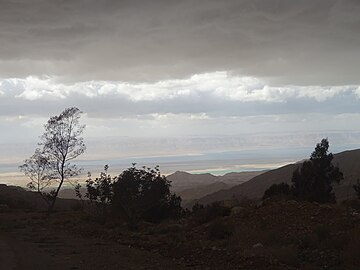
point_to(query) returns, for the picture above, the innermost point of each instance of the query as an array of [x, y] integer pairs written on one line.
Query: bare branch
[[61, 143]]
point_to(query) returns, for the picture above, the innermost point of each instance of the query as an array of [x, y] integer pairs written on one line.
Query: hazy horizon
[[231, 154]]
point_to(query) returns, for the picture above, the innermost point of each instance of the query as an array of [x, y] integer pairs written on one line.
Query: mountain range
[[193, 186], [347, 161], [207, 188]]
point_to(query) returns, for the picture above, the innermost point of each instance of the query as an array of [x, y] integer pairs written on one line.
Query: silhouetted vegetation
[[278, 190], [99, 191], [219, 229], [38, 169], [136, 194], [314, 180], [61, 143], [210, 212], [145, 194], [357, 188]]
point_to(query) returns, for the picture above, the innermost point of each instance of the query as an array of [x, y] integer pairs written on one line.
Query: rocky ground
[[268, 235], [31, 243]]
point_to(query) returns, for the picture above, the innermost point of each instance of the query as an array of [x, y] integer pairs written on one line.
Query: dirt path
[[39, 249]]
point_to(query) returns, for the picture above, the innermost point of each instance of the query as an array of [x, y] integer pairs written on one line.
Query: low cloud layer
[[216, 94], [285, 42], [211, 104]]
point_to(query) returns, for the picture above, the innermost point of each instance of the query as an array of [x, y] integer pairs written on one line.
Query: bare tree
[[39, 170], [62, 142]]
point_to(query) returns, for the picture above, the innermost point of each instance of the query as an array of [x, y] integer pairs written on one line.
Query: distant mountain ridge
[[183, 180], [193, 186], [347, 161]]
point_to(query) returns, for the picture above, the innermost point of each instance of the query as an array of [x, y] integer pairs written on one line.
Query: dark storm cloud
[[286, 42]]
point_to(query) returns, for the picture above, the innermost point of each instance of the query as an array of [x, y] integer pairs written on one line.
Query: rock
[[258, 245]]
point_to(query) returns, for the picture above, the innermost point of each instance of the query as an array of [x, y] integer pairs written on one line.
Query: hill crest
[[348, 161]]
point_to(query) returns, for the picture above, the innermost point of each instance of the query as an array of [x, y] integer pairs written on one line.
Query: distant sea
[[216, 163]]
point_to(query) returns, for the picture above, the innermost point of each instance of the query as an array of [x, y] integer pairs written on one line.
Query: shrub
[[197, 207], [98, 191], [277, 190], [356, 187], [210, 212], [136, 194], [144, 194]]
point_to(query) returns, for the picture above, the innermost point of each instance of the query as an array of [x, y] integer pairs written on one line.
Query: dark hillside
[[348, 162], [19, 198]]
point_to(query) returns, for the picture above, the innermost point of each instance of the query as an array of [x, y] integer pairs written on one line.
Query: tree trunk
[[51, 207]]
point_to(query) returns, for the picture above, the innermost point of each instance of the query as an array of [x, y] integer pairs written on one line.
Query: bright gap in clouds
[[217, 103], [219, 85]]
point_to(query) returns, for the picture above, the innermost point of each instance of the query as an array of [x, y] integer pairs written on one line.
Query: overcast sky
[[187, 68]]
